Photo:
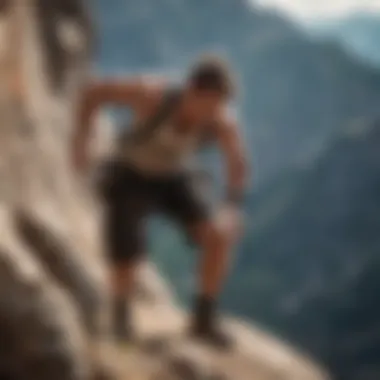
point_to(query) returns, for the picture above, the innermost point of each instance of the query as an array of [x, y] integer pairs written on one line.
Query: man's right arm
[[95, 95]]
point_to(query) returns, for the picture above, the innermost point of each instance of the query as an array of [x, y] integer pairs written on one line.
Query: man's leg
[[188, 206], [122, 281], [125, 248], [215, 246]]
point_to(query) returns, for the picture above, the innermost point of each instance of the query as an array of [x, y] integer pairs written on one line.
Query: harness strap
[[146, 131]]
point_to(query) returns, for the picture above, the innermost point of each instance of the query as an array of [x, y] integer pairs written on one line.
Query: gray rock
[[50, 296], [37, 317], [62, 259]]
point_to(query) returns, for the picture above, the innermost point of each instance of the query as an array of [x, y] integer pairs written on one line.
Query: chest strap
[[144, 132]]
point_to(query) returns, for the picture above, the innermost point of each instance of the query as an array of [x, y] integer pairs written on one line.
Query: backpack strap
[[208, 137], [144, 132]]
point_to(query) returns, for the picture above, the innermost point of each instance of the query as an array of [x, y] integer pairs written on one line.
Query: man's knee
[[209, 233]]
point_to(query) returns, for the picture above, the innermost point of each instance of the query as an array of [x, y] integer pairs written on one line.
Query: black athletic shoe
[[213, 336], [205, 325]]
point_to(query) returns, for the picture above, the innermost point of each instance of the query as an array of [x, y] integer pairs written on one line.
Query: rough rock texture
[[53, 293]]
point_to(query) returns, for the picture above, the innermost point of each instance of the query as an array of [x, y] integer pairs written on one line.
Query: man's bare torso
[[173, 144], [154, 90]]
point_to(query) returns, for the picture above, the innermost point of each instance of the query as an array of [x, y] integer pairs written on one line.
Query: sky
[[312, 9]]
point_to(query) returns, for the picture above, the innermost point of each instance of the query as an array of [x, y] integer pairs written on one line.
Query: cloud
[[320, 8]]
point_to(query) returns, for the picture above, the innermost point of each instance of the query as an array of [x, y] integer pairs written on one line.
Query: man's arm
[[95, 95], [232, 147]]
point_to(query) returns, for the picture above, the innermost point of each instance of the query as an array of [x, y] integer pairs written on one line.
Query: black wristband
[[235, 197]]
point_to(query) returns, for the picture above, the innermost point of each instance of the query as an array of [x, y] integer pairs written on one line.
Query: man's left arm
[[232, 147]]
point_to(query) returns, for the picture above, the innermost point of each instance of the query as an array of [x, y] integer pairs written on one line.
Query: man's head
[[210, 85]]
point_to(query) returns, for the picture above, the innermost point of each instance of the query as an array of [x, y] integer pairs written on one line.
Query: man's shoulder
[[226, 118], [152, 84], [153, 88], [145, 83]]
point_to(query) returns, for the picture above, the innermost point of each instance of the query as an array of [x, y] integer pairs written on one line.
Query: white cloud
[[320, 8]]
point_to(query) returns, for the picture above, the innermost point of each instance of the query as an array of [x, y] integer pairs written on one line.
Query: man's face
[[205, 104]]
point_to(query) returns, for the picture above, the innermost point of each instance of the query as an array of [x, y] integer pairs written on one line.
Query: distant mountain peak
[[359, 33]]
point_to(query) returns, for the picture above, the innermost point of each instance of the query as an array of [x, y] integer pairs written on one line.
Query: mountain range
[[359, 33], [317, 244]]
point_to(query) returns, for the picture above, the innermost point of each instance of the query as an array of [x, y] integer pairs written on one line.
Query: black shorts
[[130, 197]]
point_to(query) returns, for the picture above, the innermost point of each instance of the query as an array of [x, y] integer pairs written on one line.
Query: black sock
[[205, 322], [204, 312], [120, 315]]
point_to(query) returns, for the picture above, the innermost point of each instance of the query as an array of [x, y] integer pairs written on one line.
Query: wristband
[[235, 197]]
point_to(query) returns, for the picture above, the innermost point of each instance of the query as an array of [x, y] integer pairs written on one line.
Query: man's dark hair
[[213, 73]]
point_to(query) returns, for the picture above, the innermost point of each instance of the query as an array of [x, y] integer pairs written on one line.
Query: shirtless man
[[150, 172]]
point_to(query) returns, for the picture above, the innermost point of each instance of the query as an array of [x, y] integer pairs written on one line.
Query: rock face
[[53, 293]]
